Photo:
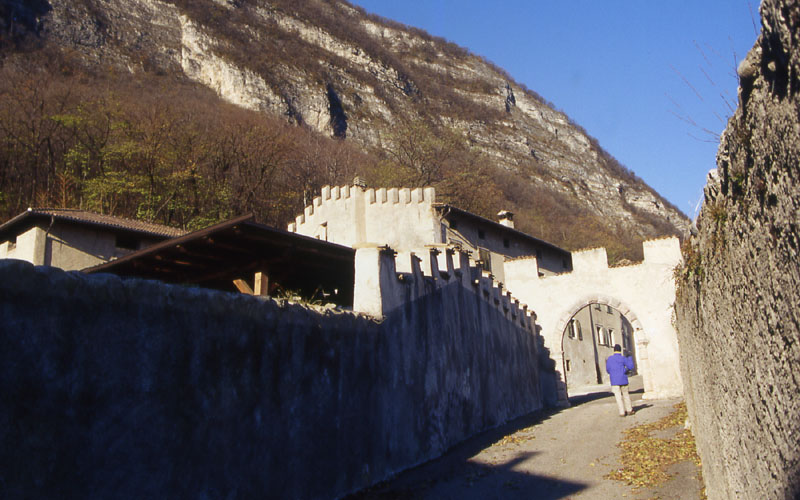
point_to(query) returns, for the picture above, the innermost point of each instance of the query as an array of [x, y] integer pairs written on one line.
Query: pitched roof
[[90, 218]]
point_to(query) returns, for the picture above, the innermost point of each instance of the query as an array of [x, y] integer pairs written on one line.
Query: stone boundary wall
[[738, 307], [131, 388], [643, 292], [351, 215]]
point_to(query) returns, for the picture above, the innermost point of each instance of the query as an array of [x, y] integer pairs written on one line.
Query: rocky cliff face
[[737, 310], [333, 68]]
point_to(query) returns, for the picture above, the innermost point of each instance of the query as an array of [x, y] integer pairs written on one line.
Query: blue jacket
[[617, 366]]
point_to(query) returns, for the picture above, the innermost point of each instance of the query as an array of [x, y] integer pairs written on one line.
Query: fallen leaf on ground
[[645, 458]]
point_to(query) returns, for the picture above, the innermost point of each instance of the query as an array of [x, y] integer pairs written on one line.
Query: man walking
[[617, 367]]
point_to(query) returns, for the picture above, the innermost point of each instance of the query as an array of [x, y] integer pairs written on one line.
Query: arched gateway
[[644, 293]]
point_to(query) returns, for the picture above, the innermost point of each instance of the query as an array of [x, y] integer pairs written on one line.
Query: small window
[[481, 234], [610, 337], [603, 336], [568, 365], [506, 243], [127, 242], [597, 307], [486, 259], [574, 329], [609, 310]]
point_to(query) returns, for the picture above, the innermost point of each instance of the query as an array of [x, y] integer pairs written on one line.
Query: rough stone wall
[[738, 307], [135, 389]]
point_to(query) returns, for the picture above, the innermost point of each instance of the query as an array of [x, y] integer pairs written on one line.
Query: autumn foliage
[[154, 149], [154, 146]]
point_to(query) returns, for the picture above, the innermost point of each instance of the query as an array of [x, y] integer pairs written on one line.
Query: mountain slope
[[422, 110]]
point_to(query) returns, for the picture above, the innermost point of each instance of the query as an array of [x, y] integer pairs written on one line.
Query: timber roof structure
[[237, 249]]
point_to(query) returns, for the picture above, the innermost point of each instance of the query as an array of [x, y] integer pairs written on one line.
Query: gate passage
[[643, 292]]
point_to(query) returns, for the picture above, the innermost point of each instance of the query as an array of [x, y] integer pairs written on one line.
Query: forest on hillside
[[155, 146], [172, 152]]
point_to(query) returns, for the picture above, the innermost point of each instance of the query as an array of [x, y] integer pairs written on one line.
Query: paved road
[[549, 455]]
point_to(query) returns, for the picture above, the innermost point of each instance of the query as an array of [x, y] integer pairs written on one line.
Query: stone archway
[[640, 340], [648, 288]]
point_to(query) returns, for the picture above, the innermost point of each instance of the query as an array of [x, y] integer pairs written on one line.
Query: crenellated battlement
[[659, 251], [387, 280], [334, 198], [353, 215]]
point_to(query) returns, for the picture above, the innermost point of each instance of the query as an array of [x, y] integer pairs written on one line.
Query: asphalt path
[[557, 454]]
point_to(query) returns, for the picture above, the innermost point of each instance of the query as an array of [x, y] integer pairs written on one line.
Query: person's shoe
[[629, 413]]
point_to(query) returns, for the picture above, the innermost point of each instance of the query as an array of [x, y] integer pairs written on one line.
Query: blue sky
[[647, 78]]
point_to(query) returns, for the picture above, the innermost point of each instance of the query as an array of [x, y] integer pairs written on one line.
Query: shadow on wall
[[415, 483], [135, 389], [458, 463], [550, 383]]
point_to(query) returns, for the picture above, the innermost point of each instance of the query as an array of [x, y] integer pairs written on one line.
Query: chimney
[[506, 218]]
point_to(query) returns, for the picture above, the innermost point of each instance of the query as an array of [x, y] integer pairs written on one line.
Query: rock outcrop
[[345, 74], [738, 308]]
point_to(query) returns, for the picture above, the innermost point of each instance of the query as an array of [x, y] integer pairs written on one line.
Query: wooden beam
[[243, 287], [261, 284]]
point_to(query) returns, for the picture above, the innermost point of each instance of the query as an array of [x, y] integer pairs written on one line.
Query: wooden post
[[243, 287], [261, 284]]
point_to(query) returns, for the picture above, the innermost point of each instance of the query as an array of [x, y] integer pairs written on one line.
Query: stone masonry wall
[[135, 389], [738, 307]]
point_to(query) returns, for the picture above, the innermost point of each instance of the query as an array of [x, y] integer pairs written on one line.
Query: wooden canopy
[[240, 254]]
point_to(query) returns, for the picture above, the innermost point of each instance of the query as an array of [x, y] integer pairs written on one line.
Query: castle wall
[[349, 215], [132, 388], [645, 293]]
